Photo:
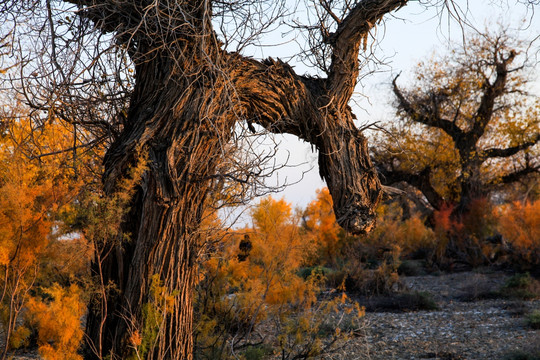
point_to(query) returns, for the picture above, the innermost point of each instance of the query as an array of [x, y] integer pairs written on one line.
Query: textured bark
[[187, 98]]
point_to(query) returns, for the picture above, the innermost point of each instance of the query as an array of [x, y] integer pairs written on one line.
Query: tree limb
[[489, 153], [420, 180], [520, 174], [434, 121], [492, 91], [345, 42]]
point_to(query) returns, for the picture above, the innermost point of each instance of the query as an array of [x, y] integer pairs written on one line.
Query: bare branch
[[429, 118], [346, 41], [489, 153]]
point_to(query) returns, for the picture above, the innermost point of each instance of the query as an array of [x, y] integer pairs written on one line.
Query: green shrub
[[306, 272], [257, 352], [533, 319], [521, 286]]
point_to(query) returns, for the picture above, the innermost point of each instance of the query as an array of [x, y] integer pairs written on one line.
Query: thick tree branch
[[420, 180], [492, 91], [518, 175], [273, 96], [489, 153], [428, 119], [346, 41]]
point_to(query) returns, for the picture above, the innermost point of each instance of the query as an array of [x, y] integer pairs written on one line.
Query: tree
[[187, 92], [187, 97], [35, 188], [466, 125]]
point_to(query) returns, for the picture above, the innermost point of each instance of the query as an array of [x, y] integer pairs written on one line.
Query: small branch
[[345, 42]]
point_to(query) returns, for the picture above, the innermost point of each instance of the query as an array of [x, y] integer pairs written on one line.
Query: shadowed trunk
[[183, 146]]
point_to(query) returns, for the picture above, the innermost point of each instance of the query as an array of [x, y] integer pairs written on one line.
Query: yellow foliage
[[253, 277], [519, 223], [410, 234], [58, 322]]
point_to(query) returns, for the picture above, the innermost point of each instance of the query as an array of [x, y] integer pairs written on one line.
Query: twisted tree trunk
[[187, 98]]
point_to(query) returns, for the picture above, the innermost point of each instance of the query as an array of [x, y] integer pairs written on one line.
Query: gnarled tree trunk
[[187, 98]]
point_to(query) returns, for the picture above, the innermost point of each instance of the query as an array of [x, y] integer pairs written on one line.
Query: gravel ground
[[484, 329]]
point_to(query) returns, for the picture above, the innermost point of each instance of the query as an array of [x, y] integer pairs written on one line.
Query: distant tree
[[465, 125]]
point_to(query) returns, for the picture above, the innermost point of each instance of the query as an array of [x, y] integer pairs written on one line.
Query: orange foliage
[[253, 277], [38, 183], [519, 223], [409, 235], [321, 226], [58, 323]]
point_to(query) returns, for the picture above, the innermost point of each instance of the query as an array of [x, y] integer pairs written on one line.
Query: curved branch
[[421, 181], [345, 42], [429, 120], [273, 96]]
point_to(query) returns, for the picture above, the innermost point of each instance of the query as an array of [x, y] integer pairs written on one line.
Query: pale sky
[[407, 37]]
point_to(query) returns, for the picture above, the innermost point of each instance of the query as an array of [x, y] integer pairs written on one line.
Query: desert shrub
[[321, 330], [533, 319], [256, 352], [58, 322], [268, 286], [306, 272], [521, 286], [410, 234], [461, 237], [411, 268], [519, 224], [476, 288], [403, 302]]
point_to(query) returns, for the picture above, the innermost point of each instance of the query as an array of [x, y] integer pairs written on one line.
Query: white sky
[[407, 37]]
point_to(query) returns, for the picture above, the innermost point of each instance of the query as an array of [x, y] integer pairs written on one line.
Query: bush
[[58, 322], [404, 302], [533, 319], [519, 224], [411, 268], [521, 286], [257, 352]]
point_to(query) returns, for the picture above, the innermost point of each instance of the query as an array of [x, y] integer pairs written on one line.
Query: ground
[[461, 329]]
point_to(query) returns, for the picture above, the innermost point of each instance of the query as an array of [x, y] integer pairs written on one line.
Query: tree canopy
[[467, 124]]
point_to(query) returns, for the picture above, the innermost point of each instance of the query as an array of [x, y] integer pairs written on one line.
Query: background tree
[[466, 125]]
